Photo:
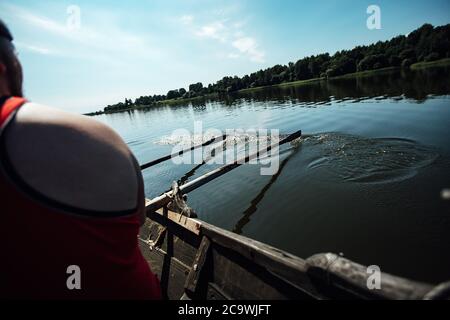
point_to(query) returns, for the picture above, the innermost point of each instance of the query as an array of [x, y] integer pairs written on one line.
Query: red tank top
[[43, 246]]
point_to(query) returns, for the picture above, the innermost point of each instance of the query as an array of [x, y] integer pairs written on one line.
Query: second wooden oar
[[177, 154], [165, 198]]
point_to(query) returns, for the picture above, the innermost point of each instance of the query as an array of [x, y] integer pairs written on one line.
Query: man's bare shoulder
[[34, 114], [72, 159]]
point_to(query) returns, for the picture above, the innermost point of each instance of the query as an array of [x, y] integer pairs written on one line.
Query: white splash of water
[[234, 139]]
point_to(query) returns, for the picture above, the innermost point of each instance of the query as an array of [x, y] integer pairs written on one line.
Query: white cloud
[[229, 33], [244, 44], [187, 19], [239, 24], [233, 56], [216, 30], [107, 44], [229, 10], [248, 46], [36, 49], [36, 21]]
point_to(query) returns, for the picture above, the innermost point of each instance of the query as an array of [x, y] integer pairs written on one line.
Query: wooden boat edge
[[321, 276]]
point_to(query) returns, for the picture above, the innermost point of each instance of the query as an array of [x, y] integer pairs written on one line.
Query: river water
[[367, 181]]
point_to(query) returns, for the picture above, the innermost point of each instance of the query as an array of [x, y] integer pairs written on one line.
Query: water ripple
[[364, 160]]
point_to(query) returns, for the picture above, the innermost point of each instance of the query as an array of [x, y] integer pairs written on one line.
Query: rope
[[178, 202]]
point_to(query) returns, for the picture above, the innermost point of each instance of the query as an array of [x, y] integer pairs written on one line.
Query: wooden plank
[[150, 230], [178, 247], [170, 271], [215, 293], [349, 278], [245, 268], [241, 278], [281, 263], [159, 238], [192, 225], [179, 242], [193, 278]]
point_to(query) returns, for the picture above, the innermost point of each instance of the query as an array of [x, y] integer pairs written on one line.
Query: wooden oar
[[173, 155], [162, 200]]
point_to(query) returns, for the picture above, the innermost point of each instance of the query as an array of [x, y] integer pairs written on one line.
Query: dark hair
[[6, 47], [4, 32], [9, 59]]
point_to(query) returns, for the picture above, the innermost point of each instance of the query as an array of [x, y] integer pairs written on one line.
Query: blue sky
[[133, 48]]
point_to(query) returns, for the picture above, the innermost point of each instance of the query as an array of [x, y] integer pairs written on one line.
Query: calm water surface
[[367, 182]]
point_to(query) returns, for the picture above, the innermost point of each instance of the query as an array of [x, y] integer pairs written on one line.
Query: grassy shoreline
[[282, 85], [314, 80], [366, 73], [437, 63], [415, 66], [170, 102]]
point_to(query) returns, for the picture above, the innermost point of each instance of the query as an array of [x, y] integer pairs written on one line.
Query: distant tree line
[[427, 43]]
